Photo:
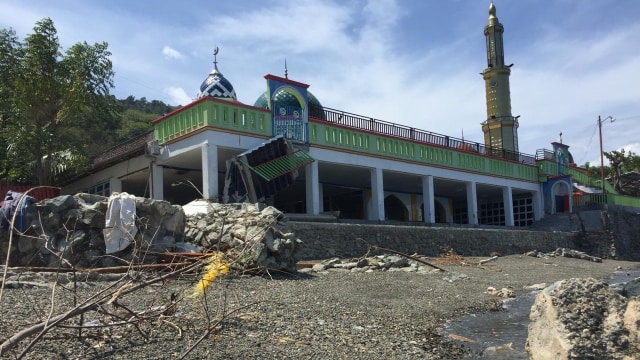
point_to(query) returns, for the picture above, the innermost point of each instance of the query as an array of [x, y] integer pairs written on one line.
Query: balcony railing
[[404, 132]]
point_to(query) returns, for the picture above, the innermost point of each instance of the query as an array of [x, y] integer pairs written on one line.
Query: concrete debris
[[583, 319], [503, 293], [564, 252], [384, 262], [67, 231]]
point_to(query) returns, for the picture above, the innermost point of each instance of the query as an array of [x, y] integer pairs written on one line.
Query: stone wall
[[611, 233], [325, 240]]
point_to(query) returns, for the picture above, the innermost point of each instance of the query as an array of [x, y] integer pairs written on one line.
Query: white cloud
[[178, 96], [171, 53]]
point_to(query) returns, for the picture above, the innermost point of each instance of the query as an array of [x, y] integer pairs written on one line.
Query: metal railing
[[409, 133], [587, 200]]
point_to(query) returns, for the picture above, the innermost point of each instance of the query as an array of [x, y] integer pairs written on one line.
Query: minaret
[[501, 128]]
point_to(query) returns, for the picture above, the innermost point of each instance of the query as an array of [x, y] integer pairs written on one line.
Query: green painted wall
[[228, 116], [326, 135], [216, 113]]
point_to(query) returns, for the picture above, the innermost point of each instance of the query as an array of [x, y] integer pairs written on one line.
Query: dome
[[286, 98], [216, 85]]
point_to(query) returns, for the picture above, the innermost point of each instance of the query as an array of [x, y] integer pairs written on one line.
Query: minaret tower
[[501, 128]]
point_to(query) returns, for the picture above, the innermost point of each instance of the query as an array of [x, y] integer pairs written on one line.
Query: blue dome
[[216, 85]]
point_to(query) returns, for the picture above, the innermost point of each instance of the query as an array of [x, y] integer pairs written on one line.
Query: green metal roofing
[[282, 165]]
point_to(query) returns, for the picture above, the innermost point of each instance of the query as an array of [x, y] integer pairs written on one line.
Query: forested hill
[[136, 116]]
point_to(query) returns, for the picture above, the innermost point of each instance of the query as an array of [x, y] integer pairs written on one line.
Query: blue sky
[[411, 62]]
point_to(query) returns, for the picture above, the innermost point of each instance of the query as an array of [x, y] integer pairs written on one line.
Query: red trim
[[209, 98], [285, 80]]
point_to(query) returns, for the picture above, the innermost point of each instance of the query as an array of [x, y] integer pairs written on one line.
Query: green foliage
[[620, 162], [136, 116], [54, 103]]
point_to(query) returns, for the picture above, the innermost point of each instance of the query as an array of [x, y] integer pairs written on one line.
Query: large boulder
[[583, 319]]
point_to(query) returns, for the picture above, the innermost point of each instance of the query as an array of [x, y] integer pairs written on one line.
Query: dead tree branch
[[93, 303]]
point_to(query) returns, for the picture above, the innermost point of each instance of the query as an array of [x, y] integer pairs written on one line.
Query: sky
[[412, 62]]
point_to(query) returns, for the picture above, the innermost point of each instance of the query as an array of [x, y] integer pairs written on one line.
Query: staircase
[[565, 222]]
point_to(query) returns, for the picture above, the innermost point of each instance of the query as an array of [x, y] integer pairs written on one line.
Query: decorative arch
[[440, 212], [395, 209], [293, 91], [561, 197]]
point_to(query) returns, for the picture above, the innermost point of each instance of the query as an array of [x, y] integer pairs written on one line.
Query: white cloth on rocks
[[120, 227]]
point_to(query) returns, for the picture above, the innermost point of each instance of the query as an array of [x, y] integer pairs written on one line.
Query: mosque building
[[289, 151]]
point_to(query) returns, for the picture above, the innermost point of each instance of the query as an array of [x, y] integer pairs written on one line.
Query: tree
[[53, 103], [616, 161]]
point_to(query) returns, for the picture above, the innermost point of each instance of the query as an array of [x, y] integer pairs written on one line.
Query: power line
[[584, 154]]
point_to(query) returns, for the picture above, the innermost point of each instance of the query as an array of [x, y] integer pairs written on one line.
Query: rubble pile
[[564, 252], [69, 231], [584, 319], [253, 235], [385, 262]]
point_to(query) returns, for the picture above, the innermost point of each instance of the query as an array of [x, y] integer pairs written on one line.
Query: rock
[[583, 319], [631, 288], [503, 293], [535, 287]]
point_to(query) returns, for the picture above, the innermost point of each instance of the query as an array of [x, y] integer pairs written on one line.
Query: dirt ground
[[333, 315]]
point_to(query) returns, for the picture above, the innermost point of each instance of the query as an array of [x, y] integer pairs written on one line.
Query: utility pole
[[601, 151], [601, 155]]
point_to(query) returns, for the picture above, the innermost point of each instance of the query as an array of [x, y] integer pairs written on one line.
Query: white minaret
[[501, 128]]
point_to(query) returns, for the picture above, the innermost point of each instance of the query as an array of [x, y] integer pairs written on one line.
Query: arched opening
[[394, 209], [440, 213], [561, 198]]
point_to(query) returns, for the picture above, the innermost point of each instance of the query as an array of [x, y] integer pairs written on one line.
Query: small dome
[[216, 85], [286, 98]]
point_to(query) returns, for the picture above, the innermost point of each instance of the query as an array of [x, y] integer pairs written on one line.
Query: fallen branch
[[407, 256], [92, 303], [487, 260], [103, 270]]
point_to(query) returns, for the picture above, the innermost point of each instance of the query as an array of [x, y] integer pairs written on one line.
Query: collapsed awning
[[282, 165], [264, 171]]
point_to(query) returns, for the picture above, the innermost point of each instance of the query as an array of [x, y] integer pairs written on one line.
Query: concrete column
[[210, 171], [157, 182], [428, 201], [321, 197], [472, 203], [376, 206], [115, 185], [312, 188], [538, 209], [507, 198]]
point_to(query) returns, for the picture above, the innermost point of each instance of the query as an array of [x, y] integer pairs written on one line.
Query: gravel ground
[[333, 315]]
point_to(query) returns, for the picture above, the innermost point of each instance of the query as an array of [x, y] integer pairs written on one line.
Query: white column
[[157, 182], [507, 199], [209, 171], [377, 195], [428, 201], [115, 185], [472, 203], [312, 188], [321, 197], [538, 209]]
